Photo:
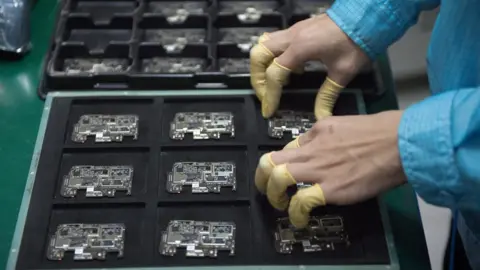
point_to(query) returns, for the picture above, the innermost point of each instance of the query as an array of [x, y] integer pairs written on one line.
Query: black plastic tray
[[149, 208], [126, 32]]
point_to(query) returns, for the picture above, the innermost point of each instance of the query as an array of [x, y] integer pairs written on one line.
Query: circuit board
[[321, 234], [76, 66], [295, 123], [203, 125], [203, 177], [303, 185], [199, 238], [97, 181], [87, 241], [105, 128]]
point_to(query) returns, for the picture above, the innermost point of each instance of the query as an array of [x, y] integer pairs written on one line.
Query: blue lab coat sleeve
[[376, 24]]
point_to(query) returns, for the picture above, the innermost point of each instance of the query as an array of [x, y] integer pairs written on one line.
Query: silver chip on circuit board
[[203, 125], [321, 234], [105, 128], [97, 181], [87, 241], [199, 238], [203, 177]]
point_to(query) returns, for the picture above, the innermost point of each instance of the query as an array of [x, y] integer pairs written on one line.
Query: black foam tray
[[125, 30], [149, 208]]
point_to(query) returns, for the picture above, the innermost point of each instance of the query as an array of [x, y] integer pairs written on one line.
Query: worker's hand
[[279, 53], [348, 159]]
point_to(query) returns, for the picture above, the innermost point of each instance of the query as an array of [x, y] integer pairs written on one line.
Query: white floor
[[408, 64]]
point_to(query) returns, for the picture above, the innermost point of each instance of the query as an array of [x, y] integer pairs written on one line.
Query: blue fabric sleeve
[[439, 143], [375, 24]]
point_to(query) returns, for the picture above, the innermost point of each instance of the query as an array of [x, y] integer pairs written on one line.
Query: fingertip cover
[[277, 76], [260, 58], [280, 180], [302, 204], [326, 98]]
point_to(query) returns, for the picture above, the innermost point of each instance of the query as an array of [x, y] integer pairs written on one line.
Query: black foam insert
[[238, 155], [240, 215], [147, 211], [211, 104]]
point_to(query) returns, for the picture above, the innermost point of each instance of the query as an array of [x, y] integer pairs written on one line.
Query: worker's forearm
[[376, 24], [439, 143]]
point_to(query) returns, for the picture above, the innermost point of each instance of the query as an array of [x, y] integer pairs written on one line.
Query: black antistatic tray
[[149, 208], [133, 44]]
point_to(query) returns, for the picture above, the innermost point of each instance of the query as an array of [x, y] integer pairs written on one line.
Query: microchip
[[173, 65], [295, 123], [97, 181], [105, 128], [323, 233], [87, 241], [199, 238], [79, 66], [203, 125], [203, 177]]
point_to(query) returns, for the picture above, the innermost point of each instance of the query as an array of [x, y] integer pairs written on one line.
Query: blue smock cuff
[[426, 150]]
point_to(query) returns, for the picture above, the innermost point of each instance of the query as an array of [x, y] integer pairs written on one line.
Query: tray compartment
[[102, 12], [240, 215], [73, 66], [138, 158], [177, 12], [238, 155], [200, 104], [130, 215], [359, 231], [140, 107], [82, 31], [250, 12]]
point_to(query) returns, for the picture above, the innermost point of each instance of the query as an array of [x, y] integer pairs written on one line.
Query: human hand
[[347, 159], [279, 53]]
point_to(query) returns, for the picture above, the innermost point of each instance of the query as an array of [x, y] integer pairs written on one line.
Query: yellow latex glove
[[279, 54], [347, 159], [273, 180]]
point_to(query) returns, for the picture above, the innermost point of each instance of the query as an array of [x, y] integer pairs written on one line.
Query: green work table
[[20, 113]]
